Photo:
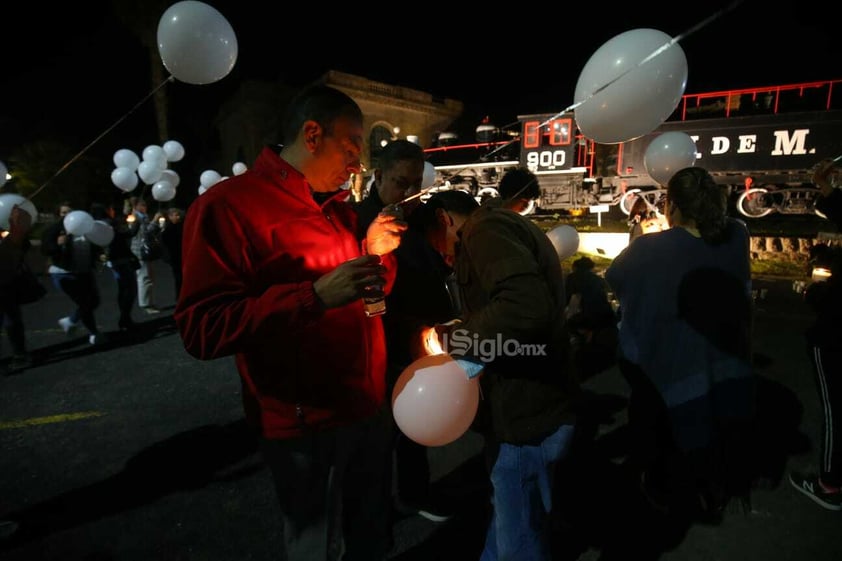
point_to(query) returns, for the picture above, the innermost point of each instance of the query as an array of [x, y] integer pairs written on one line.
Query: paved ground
[[135, 451]]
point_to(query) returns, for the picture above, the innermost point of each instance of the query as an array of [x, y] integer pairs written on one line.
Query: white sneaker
[[96, 339], [67, 325]]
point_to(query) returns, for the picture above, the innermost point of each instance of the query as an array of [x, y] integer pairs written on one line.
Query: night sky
[[73, 70]]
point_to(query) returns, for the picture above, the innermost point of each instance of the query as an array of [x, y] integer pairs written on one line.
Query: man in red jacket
[[274, 274]]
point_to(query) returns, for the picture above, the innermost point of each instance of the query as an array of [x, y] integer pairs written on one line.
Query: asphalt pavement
[[135, 451]]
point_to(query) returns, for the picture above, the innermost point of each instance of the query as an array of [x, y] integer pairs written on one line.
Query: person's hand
[[351, 281], [384, 233], [821, 176]]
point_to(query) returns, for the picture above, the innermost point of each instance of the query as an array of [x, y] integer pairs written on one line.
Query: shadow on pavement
[[186, 461], [79, 346]]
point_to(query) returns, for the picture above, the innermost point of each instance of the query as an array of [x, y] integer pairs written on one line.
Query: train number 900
[[546, 159]]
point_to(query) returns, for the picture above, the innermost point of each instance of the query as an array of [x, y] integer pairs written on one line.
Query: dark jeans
[[83, 291], [333, 491], [827, 366], [412, 470]]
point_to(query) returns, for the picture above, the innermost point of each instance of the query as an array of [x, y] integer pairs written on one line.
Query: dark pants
[[126, 291], [11, 320], [827, 365], [83, 291], [333, 492]]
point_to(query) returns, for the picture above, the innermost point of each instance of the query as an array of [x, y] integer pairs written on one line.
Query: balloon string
[[652, 55], [98, 138]]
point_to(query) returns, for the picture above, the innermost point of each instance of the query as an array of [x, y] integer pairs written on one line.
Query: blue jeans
[[522, 480]]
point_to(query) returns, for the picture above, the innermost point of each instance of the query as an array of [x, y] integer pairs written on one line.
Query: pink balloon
[[434, 402]]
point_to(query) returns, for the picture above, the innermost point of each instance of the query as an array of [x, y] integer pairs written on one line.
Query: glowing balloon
[[429, 178], [565, 239], [125, 179], [101, 233], [668, 153], [434, 402], [8, 201], [622, 97], [196, 43], [78, 222], [238, 168]]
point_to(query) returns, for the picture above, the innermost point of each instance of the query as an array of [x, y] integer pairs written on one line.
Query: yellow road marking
[[48, 420]]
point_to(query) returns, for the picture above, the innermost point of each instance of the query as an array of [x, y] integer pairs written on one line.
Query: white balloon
[[8, 201], [78, 222], [565, 239], [101, 233], [668, 153], [3, 171], [643, 95], [196, 43], [125, 158], [156, 154], [149, 171], [171, 176], [163, 191], [429, 177], [124, 178], [239, 168], [202, 189], [173, 150], [209, 178]]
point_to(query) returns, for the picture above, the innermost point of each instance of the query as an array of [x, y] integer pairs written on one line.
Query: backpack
[[151, 248]]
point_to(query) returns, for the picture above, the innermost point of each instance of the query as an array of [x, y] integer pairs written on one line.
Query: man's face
[[338, 154], [64, 210], [400, 181]]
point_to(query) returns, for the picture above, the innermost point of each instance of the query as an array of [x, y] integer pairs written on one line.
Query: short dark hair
[[453, 200], [319, 103], [519, 183], [398, 151]]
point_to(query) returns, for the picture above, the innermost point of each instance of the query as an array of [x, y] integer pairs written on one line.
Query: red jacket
[[253, 246]]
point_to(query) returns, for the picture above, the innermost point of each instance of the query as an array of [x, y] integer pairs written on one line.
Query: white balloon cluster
[[80, 223], [153, 169], [210, 177]]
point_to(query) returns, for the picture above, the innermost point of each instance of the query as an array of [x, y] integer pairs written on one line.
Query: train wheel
[[752, 203], [627, 200]]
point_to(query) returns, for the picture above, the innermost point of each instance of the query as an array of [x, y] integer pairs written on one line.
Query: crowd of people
[[274, 269]]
